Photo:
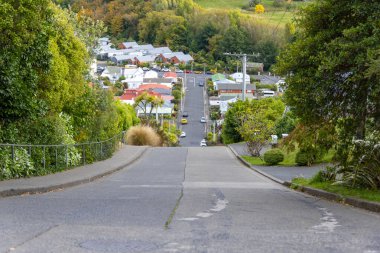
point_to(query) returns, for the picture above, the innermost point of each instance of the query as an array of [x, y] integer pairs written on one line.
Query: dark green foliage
[[24, 55], [325, 175], [331, 61], [362, 169], [305, 157], [273, 156], [44, 95], [268, 51], [286, 124]]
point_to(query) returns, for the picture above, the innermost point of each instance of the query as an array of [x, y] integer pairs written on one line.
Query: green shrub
[[20, 166], [305, 158], [143, 135], [273, 156]]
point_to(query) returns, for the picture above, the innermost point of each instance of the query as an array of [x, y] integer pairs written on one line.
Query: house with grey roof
[[235, 90], [159, 50], [123, 59], [127, 45], [138, 60], [113, 73]]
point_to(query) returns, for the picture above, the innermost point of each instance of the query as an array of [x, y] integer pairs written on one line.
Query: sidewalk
[[75, 176]]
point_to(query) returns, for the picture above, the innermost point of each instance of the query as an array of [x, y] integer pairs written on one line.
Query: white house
[[151, 74], [238, 77], [113, 73], [133, 77]]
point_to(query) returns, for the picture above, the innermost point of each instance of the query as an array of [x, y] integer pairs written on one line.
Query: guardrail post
[[44, 160], [13, 152], [66, 157], [101, 150], [84, 155], [56, 157]]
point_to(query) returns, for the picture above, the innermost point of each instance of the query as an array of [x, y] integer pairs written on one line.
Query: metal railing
[[52, 158]]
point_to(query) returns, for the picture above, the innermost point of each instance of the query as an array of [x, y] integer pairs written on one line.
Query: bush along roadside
[[17, 161]]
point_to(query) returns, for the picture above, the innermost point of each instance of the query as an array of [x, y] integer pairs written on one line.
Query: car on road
[[203, 143], [179, 71], [183, 135], [201, 83], [183, 121], [185, 114], [198, 72], [145, 69], [188, 71], [203, 120], [165, 70]]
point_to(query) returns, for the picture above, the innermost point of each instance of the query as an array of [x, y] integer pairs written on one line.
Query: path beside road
[[75, 176]]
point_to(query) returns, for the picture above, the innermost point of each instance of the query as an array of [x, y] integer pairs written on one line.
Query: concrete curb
[[37, 190], [359, 203], [241, 159], [363, 204]]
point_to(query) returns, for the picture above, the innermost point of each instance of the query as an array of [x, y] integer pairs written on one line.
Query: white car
[[203, 143], [203, 120], [179, 71], [183, 135], [165, 70]]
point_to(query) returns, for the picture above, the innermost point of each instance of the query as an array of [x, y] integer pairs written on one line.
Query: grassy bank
[[272, 15], [370, 195], [289, 159]]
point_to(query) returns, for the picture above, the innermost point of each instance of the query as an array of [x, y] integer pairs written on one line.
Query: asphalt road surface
[[195, 106], [183, 200]]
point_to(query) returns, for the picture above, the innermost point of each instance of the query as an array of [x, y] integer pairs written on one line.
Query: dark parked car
[[185, 114]]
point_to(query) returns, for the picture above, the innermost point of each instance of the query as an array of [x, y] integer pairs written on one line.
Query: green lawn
[[273, 15], [371, 195], [289, 159]]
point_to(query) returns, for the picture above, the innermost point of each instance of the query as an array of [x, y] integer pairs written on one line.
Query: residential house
[[122, 59], [113, 73], [234, 90], [165, 81], [130, 95], [165, 109], [127, 45], [159, 50], [149, 59], [174, 58], [238, 77], [151, 74], [267, 79], [133, 77], [171, 75]]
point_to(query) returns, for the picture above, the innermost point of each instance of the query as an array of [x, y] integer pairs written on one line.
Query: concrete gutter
[[359, 203], [72, 177]]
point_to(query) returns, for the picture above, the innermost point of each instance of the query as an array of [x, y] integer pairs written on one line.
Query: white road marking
[[328, 222]]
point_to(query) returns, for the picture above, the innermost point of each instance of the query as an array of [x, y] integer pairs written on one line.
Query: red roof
[[153, 86], [132, 94], [170, 75]]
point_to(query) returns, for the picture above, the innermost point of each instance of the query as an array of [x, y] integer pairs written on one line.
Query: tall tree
[[25, 30], [327, 64]]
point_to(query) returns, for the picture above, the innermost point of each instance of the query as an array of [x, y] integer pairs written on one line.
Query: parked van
[[268, 93]]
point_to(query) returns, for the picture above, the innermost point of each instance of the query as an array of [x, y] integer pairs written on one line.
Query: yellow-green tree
[[259, 8]]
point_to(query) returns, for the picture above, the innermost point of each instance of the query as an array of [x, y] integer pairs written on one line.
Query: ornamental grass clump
[[143, 136], [273, 156]]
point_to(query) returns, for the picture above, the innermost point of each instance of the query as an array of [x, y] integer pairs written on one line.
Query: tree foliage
[[331, 67], [252, 121]]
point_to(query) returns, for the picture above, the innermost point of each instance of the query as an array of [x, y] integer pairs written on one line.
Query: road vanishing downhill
[[183, 200]]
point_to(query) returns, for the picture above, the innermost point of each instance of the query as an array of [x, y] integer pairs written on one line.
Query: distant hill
[[276, 12]]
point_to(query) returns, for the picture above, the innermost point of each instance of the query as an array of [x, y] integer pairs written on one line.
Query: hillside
[[274, 14]]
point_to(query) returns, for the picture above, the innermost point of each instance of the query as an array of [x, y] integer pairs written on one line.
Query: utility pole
[[244, 62]]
